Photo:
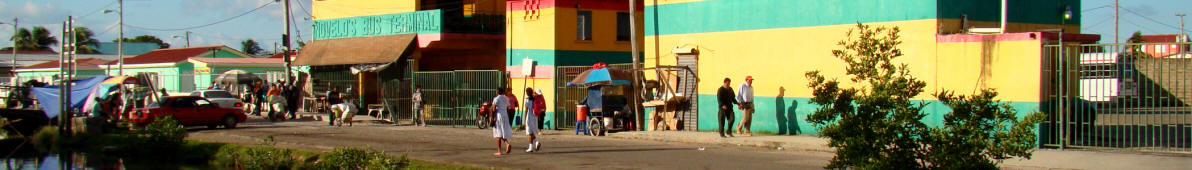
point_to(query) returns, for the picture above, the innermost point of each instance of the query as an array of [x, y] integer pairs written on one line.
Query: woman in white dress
[[531, 121], [502, 130]]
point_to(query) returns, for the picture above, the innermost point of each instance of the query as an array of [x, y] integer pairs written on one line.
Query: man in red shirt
[[512, 106]]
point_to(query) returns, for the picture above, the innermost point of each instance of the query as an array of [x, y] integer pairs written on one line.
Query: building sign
[[418, 22], [202, 70]]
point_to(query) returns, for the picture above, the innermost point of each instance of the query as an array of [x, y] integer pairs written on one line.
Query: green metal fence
[[567, 97], [1118, 96], [452, 97]]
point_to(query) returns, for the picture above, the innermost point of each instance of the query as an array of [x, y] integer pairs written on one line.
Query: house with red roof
[[173, 68], [1164, 45], [46, 71]]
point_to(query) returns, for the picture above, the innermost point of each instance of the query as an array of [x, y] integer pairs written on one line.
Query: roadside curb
[[791, 143]]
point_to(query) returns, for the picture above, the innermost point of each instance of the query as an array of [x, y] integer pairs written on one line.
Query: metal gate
[[567, 97], [452, 97], [1118, 96], [686, 83]]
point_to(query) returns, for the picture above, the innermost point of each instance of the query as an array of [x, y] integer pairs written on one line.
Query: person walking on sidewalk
[[724, 96], [512, 109], [539, 109], [745, 97], [531, 120], [418, 103], [502, 130]]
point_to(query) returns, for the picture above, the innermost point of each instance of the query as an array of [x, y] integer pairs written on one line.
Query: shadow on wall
[[786, 117]]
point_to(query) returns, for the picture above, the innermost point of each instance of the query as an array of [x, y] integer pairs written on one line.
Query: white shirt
[[745, 93], [500, 102]]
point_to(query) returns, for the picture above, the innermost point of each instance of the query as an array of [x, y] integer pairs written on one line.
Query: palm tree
[[251, 47], [38, 39], [85, 42]]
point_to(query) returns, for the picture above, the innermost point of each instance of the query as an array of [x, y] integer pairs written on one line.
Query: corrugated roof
[[280, 55], [84, 63], [1161, 38], [170, 55], [238, 60], [355, 50], [9, 51]]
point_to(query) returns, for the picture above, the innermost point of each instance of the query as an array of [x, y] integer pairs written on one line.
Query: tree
[[875, 125], [38, 39], [250, 47], [86, 44], [147, 38]]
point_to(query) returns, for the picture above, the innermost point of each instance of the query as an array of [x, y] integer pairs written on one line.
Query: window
[[583, 25], [623, 26]]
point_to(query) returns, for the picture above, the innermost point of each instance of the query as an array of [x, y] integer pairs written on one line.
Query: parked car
[[223, 98], [190, 111]]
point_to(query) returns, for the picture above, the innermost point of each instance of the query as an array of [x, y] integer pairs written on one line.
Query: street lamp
[[120, 37], [15, 40], [187, 38]]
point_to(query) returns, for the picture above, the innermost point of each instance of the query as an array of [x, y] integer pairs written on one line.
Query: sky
[[167, 18], [1147, 16]]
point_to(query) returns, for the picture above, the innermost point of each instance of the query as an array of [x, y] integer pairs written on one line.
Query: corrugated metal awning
[[356, 50]]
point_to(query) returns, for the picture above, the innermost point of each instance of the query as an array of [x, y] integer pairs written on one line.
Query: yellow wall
[[331, 9], [604, 31], [531, 32], [779, 58], [555, 28]]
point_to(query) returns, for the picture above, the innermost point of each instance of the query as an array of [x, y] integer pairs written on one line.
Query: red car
[[190, 111]]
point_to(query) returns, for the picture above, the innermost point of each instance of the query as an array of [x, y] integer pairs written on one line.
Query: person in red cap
[[745, 98]]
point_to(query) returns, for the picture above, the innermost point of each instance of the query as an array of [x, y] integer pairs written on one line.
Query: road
[[471, 146]]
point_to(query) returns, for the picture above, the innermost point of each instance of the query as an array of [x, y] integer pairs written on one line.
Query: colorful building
[[172, 68], [388, 39], [778, 41], [554, 33], [49, 71]]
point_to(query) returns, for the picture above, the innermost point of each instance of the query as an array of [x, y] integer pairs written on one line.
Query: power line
[[97, 10], [304, 9], [203, 25], [1152, 19], [1099, 7], [1140, 26]]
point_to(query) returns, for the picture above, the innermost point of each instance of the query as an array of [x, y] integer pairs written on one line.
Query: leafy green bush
[[256, 158], [874, 124], [356, 158]]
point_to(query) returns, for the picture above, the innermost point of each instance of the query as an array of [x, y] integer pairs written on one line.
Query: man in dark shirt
[[726, 98], [332, 99]]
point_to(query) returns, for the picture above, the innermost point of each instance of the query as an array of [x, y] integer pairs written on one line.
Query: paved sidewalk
[[1042, 158]]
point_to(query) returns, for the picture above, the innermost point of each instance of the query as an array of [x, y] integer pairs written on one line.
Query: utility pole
[[636, 64], [187, 38], [1181, 34], [120, 38], [1115, 22], [286, 41]]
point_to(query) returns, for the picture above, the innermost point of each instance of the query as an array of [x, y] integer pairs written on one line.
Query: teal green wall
[[729, 15], [788, 115], [419, 22], [568, 57], [81, 73], [170, 77]]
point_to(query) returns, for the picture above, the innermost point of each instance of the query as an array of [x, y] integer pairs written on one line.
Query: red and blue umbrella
[[602, 76]]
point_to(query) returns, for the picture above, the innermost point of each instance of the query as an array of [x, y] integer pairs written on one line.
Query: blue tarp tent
[[79, 93]]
